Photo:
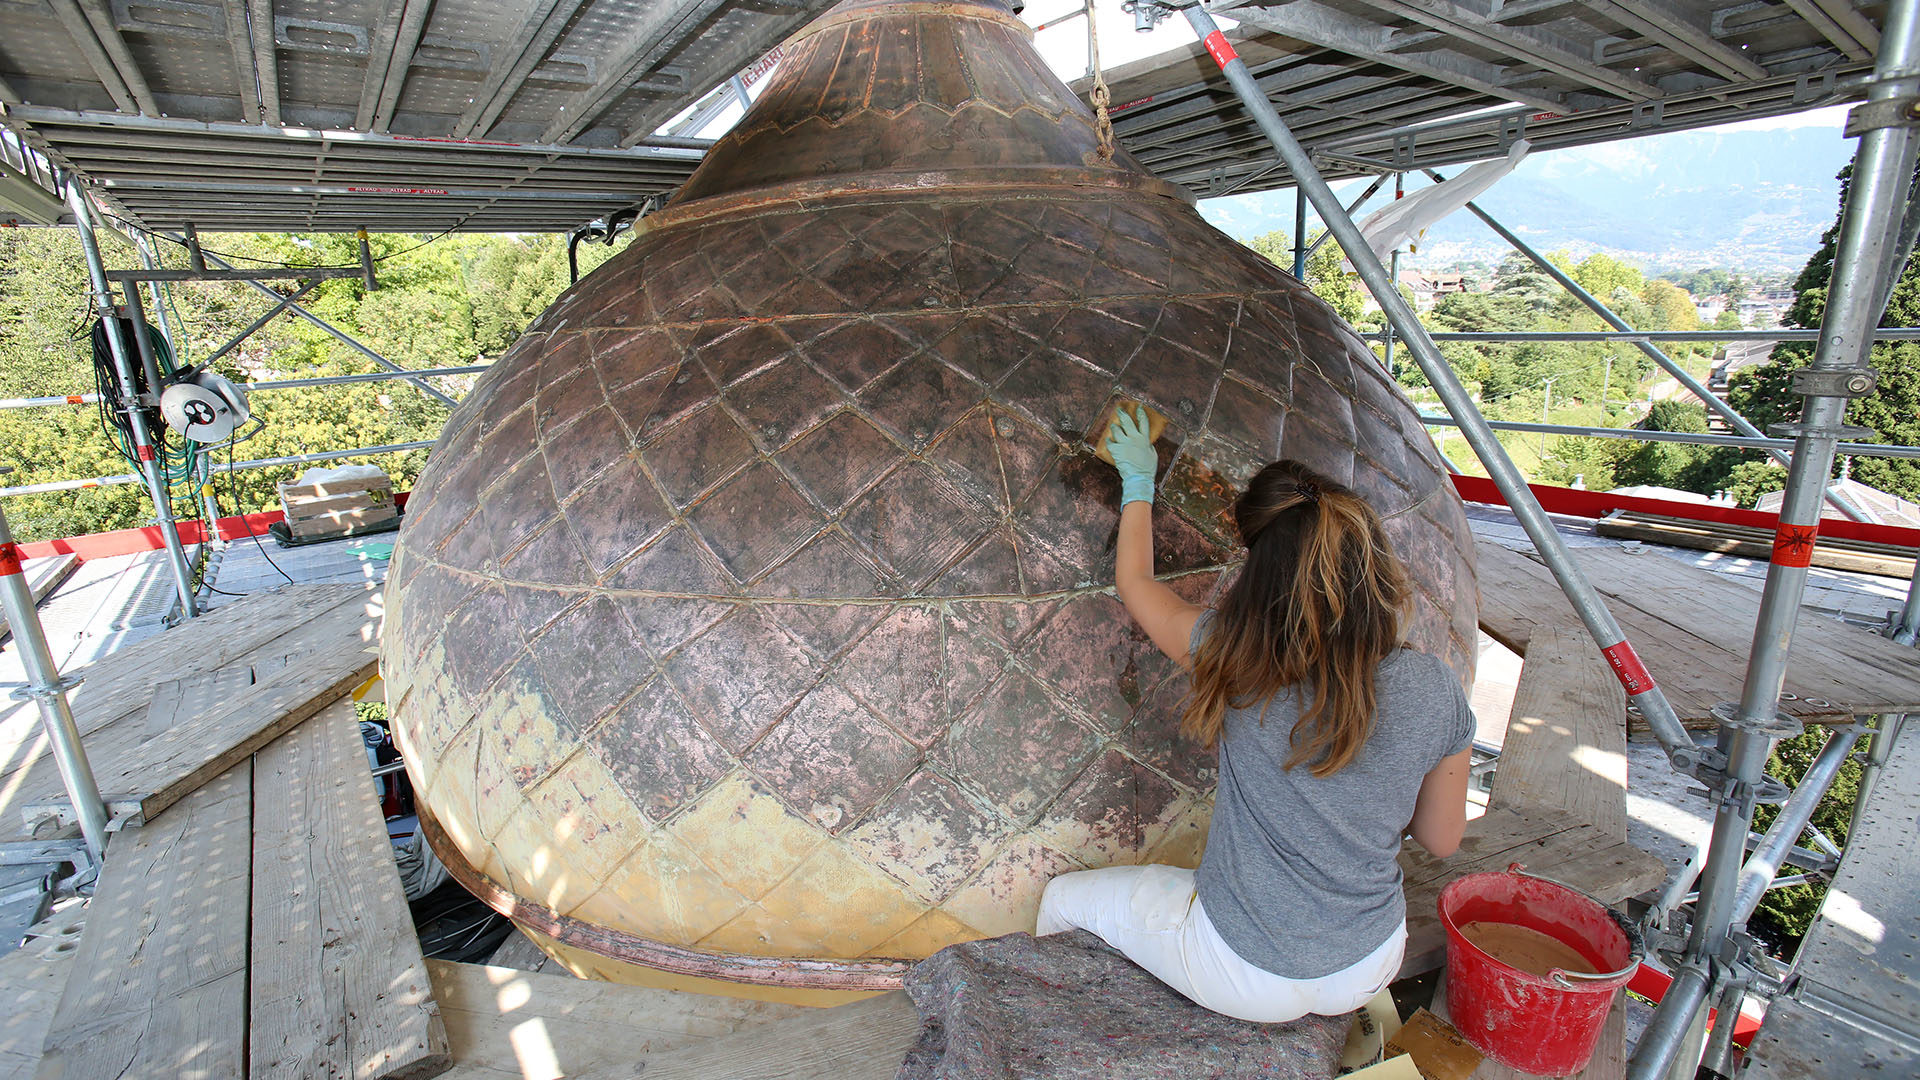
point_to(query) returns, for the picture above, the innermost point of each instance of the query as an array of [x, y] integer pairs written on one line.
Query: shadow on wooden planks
[[147, 749]]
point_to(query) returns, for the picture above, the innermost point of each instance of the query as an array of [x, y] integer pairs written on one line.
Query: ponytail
[[1317, 606]]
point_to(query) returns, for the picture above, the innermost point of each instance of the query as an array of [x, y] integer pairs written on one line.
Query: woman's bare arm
[[1440, 813], [1166, 616]]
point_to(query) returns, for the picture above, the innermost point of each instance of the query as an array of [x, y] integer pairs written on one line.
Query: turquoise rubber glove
[[1133, 455]]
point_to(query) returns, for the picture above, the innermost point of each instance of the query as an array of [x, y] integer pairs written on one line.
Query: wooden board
[[1551, 843], [866, 1040], [1856, 556], [156, 770], [339, 520], [178, 700], [503, 1022], [1694, 630], [31, 980], [301, 509], [335, 487], [339, 988], [159, 988], [1566, 744], [123, 681]]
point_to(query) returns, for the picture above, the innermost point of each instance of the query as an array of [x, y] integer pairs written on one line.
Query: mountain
[[1753, 200]]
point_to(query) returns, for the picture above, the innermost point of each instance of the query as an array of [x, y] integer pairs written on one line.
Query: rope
[[1101, 96]]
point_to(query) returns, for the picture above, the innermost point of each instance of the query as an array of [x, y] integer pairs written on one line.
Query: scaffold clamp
[[1885, 113], [1849, 383]]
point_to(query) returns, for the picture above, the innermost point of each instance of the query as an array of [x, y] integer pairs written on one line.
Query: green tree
[[456, 300], [1326, 276], [1764, 394], [1669, 306]]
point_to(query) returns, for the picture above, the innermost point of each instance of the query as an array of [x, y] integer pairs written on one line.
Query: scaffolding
[[1452, 107]]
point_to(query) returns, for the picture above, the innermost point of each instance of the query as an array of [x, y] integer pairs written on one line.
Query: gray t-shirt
[[1299, 875]]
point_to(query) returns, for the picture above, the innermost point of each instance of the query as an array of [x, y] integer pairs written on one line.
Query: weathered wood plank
[[1694, 631], [866, 1040], [1859, 671], [1566, 743], [123, 681], [159, 986], [1516, 594], [161, 768], [31, 980], [538, 1027], [1861, 557], [178, 700], [339, 988]]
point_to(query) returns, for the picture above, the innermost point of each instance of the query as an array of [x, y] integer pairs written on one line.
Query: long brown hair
[[1317, 606]]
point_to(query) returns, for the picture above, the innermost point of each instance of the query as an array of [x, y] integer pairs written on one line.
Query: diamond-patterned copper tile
[[582, 450], [693, 456], [837, 460], [929, 834], [1016, 747], [616, 513], [586, 662], [857, 352], [782, 402], [656, 752], [919, 400], [754, 521], [916, 522], [830, 763], [740, 677]]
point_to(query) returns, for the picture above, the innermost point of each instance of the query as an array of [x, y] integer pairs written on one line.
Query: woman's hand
[[1133, 454]]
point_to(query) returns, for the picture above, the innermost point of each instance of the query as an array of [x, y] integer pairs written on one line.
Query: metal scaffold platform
[[155, 121], [1855, 1010]]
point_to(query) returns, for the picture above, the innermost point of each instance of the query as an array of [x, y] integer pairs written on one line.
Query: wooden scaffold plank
[[153, 771], [507, 1024], [339, 988], [159, 987]]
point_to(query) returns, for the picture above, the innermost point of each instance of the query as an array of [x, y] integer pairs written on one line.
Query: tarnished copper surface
[[758, 603]]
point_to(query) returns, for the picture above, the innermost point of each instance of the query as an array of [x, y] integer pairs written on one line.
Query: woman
[[1334, 741]]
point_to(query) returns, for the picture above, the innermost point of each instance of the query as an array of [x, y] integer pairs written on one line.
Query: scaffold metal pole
[[1666, 363], [49, 692], [336, 333], [1587, 604], [149, 460], [1689, 438], [1876, 196]]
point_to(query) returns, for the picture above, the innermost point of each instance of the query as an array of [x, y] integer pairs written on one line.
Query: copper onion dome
[[753, 618]]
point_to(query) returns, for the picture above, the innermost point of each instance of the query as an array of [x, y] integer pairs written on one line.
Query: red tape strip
[[1628, 668], [9, 559], [1793, 544], [1218, 48], [146, 453]]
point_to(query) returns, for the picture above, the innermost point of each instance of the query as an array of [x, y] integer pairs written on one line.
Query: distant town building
[[1427, 287]]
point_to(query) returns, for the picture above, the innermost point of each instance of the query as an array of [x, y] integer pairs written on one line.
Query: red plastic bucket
[[1544, 1024]]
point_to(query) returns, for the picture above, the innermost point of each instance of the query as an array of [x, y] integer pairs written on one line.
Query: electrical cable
[[233, 490]]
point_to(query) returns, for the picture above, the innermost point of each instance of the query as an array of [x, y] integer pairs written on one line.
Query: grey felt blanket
[[1068, 1007]]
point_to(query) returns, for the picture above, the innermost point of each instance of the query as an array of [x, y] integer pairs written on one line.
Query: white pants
[[1151, 914]]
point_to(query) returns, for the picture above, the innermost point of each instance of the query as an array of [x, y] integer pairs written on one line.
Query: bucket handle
[[1565, 979], [1560, 976]]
